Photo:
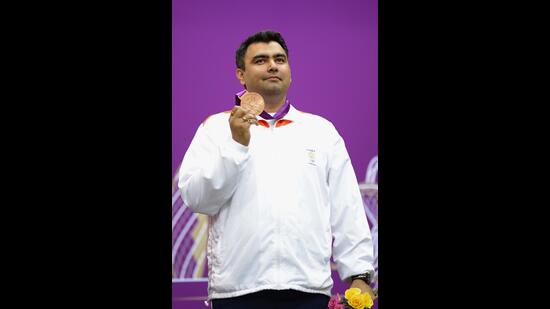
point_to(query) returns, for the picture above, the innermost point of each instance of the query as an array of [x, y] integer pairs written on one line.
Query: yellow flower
[[367, 299], [357, 301], [351, 292]]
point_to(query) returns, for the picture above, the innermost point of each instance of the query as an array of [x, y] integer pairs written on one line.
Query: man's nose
[[272, 66]]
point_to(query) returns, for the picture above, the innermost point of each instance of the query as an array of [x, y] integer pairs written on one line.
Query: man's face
[[266, 69]]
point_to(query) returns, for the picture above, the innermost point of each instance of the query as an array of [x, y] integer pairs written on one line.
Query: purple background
[[333, 55]]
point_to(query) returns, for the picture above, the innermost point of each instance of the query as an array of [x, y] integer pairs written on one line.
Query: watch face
[[365, 277]]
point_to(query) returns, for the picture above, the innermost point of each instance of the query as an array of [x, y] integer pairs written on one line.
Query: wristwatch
[[366, 277]]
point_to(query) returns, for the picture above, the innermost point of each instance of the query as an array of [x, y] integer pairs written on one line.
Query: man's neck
[[274, 103]]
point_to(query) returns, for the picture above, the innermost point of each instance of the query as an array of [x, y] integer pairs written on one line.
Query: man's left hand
[[363, 286]]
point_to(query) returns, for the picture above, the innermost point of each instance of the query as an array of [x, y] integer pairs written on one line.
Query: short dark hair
[[265, 36]]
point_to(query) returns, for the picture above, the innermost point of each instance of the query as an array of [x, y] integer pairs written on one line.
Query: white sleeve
[[210, 171], [353, 250]]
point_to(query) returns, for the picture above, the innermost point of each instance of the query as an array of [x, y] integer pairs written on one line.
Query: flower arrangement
[[353, 299]]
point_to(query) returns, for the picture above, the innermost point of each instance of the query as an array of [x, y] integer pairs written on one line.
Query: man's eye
[[259, 61], [280, 60]]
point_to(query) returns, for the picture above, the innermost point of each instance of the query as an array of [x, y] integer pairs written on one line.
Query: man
[[276, 190]]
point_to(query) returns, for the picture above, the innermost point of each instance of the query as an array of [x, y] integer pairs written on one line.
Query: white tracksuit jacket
[[275, 206]]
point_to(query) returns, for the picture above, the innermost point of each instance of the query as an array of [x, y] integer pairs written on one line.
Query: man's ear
[[240, 75]]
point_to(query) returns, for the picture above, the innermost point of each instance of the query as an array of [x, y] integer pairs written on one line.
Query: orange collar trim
[[279, 123], [282, 122]]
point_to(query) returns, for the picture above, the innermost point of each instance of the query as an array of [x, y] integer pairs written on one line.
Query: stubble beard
[[275, 90]]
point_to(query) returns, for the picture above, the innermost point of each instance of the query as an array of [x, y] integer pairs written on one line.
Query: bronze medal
[[253, 102]]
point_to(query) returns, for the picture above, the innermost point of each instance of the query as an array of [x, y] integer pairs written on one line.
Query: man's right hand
[[240, 121]]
